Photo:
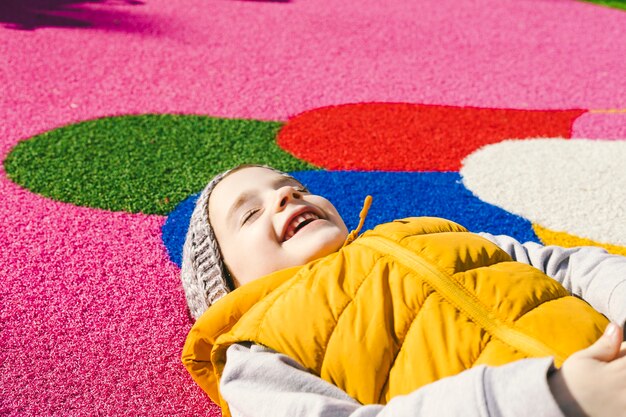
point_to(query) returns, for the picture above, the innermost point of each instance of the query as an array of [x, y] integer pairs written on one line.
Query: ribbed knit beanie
[[204, 275]]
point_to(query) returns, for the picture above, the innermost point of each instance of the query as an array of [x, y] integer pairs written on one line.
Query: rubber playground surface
[[505, 116]]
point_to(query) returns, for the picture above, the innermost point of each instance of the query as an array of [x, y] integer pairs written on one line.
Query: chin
[[329, 245]]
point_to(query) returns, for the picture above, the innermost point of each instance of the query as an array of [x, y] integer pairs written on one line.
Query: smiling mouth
[[298, 222]]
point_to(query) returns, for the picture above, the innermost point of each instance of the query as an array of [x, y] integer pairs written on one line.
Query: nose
[[285, 195]]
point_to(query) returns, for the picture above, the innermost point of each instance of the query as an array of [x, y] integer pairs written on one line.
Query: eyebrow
[[244, 197]]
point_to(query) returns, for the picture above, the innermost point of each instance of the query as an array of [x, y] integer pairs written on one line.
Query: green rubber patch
[[618, 4], [142, 164]]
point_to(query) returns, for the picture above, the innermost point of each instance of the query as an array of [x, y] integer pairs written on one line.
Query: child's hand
[[592, 382]]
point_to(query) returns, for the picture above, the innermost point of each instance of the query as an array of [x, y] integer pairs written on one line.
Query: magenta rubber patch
[[93, 315]]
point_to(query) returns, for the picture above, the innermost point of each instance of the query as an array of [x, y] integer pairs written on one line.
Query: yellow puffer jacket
[[405, 304]]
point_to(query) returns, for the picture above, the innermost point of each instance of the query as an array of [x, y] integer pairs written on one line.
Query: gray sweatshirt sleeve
[[587, 272], [258, 382]]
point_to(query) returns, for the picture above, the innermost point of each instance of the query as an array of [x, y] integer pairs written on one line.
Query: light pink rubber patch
[[270, 60], [605, 126]]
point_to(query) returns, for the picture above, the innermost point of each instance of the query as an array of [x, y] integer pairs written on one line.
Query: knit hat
[[204, 275]]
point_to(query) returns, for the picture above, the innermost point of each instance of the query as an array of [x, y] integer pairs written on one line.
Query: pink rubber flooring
[[92, 316]]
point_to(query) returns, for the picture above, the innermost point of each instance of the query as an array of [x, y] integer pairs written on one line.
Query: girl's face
[[265, 221]]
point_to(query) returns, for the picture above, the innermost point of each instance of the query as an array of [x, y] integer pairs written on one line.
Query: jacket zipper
[[460, 297]]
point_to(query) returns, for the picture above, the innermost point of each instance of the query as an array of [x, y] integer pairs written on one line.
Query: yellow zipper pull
[[362, 215]]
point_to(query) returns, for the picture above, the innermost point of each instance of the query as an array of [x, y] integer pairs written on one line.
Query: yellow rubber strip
[[608, 111]]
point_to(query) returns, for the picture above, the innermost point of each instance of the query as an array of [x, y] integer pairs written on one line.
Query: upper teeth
[[297, 222]]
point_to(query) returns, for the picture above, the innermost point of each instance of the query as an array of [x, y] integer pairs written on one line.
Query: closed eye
[[250, 215]]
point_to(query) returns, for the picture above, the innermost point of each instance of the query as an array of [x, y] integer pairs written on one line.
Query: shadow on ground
[[268, 1], [35, 14]]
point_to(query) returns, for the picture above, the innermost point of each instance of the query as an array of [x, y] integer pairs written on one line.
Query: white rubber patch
[[575, 186]]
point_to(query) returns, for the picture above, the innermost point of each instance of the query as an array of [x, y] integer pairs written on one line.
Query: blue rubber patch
[[396, 195]]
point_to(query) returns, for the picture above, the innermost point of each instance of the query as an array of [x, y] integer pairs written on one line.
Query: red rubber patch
[[411, 137]]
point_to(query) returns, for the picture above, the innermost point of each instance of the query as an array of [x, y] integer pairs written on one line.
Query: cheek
[[337, 220], [256, 254], [328, 208]]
